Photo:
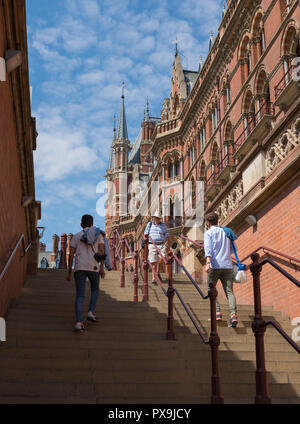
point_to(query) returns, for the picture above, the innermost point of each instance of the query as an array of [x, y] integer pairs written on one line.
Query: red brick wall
[[12, 215], [278, 228]]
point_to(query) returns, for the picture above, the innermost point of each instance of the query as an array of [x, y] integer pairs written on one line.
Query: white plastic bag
[[239, 277]]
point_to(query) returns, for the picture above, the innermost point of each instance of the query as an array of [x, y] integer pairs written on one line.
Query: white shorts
[[153, 254]]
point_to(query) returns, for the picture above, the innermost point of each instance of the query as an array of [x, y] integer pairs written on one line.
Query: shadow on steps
[[125, 358]]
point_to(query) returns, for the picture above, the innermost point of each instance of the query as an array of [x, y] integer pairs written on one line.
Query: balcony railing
[[167, 126], [226, 166], [285, 80], [174, 223], [287, 90], [228, 160], [255, 122]]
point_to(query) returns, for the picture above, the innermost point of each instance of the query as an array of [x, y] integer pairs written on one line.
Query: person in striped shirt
[[158, 232]]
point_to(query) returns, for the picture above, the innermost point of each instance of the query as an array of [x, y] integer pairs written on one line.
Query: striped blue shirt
[[217, 246], [158, 233]]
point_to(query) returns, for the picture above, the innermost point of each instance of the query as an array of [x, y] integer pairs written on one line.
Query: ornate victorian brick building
[[19, 211], [231, 131]]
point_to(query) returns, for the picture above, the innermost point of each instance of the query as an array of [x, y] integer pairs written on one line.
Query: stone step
[[126, 358], [83, 354], [123, 400], [89, 377], [106, 390]]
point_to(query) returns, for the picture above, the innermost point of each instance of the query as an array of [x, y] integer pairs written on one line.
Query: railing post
[[146, 268], [214, 342], [259, 328], [123, 265], [170, 294], [136, 276], [113, 250]]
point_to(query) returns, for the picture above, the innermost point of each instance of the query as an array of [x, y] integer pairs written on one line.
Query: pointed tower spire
[[176, 46], [224, 9], [211, 40], [148, 110], [122, 133], [201, 63], [115, 130], [111, 163]]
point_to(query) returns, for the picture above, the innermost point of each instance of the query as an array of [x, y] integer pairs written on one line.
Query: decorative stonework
[[282, 147], [231, 201]]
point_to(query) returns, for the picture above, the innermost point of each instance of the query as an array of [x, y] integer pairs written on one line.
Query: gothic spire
[[122, 133], [148, 110]]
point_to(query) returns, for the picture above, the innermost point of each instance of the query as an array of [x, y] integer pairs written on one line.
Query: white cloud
[[80, 56]]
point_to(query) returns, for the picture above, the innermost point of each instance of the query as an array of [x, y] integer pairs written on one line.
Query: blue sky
[[80, 52]]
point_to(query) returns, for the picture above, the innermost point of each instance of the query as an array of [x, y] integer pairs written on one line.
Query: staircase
[[125, 358]]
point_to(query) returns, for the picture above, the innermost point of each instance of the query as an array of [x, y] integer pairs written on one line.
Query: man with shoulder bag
[[219, 266], [88, 248]]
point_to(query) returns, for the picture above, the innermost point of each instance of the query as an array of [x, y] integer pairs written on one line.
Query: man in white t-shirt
[[86, 266]]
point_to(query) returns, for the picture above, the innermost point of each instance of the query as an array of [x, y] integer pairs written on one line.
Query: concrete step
[[105, 390], [125, 357]]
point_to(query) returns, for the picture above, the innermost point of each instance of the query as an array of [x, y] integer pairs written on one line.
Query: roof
[[122, 132], [135, 154], [190, 78]]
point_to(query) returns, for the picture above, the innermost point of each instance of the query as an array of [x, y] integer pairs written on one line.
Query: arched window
[[228, 144], [177, 168], [249, 112], [263, 98], [192, 155], [226, 92], [245, 57], [214, 159], [290, 49], [202, 138], [171, 170], [262, 40], [258, 35]]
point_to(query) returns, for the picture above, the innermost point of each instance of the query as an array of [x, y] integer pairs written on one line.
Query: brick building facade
[[231, 131], [19, 211]]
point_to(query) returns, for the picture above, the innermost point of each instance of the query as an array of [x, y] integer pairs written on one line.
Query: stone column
[[63, 256], [55, 239], [68, 247]]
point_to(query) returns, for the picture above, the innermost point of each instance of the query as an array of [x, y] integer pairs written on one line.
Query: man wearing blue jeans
[[219, 265], [86, 266]]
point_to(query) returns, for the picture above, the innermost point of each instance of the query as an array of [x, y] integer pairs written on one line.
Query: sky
[[80, 52]]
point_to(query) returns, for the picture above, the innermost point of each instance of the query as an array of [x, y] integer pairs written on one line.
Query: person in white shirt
[[219, 264], [86, 266]]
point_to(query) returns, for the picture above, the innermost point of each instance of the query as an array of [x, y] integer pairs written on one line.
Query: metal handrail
[[157, 249], [290, 258], [190, 278], [259, 327], [122, 259], [282, 271], [25, 250], [283, 83], [191, 241], [214, 340], [191, 317]]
